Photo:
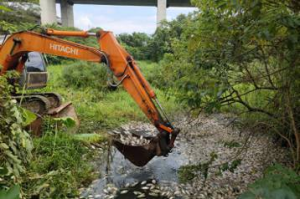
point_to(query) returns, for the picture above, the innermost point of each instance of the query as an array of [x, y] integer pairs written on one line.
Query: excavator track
[[35, 103], [39, 103], [46, 104], [55, 99]]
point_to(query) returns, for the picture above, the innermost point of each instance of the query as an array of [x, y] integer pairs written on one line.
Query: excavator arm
[[121, 64]]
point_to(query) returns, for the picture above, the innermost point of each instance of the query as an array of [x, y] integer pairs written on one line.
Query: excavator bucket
[[137, 155], [142, 154], [65, 110]]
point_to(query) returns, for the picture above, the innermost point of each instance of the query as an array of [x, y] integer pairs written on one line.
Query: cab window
[[35, 62]]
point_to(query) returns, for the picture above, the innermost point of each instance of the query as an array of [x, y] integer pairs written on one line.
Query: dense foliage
[[18, 15], [15, 143], [278, 182], [242, 57], [59, 167], [136, 44], [153, 47], [84, 75]]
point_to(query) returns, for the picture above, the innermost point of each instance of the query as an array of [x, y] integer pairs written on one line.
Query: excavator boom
[[120, 63]]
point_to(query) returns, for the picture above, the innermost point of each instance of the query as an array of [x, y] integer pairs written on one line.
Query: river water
[[121, 175]]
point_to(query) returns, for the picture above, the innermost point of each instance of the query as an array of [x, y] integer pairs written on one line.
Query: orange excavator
[[15, 51]]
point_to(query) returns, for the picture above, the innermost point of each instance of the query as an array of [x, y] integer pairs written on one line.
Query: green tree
[[18, 15], [136, 44], [242, 56], [161, 41]]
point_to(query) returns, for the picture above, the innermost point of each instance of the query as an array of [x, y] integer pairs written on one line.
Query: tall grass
[[97, 108]]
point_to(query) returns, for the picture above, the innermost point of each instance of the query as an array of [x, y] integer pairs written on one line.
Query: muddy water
[[127, 179]]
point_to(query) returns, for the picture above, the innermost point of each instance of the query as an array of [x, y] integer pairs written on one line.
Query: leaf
[[28, 116], [283, 193], [12, 193], [69, 122], [3, 171], [3, 146], [5, 8], [278, 183]]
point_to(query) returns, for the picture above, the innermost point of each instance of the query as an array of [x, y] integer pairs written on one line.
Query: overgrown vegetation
[[242, 57], [98, 108], [278, 182], [53, 166], [136, 43], [15, 143], [60, 166], [83, 75], [18, 15]]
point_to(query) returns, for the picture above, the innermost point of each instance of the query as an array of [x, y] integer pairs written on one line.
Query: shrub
[[84, 74], [59, 167], [242, 55], [15, 142], [278, 182]]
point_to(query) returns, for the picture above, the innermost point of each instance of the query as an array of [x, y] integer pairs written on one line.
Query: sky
[[120, 19]]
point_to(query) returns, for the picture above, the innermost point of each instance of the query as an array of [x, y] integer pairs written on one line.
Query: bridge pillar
[[161, 11], [48, 12], [67, 15]]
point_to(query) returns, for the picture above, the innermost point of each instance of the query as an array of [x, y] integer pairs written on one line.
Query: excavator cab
[[34, 74]]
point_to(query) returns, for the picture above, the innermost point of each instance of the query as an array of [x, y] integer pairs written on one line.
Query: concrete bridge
[[48, 8]]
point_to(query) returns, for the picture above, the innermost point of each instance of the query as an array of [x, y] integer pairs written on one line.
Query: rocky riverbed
[[199, 139]]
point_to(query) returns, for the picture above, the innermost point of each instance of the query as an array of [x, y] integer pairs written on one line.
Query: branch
[[251, 109], [266, 66]]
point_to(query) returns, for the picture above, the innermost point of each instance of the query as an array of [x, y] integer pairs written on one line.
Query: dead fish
[[132, 185], [141, 196], [149, 185], [124, 191], [144, 182], [152, 187], [145, 188], [177, 193], [153, 194], [155, 191], [137, 193]]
